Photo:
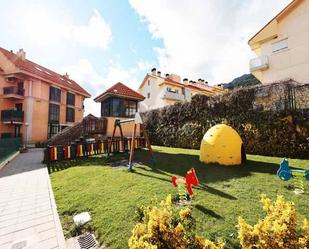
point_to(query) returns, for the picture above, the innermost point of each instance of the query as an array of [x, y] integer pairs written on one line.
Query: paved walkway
[[28, 214]]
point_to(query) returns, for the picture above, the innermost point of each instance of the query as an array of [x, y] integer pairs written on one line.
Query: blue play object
[[285, 172]]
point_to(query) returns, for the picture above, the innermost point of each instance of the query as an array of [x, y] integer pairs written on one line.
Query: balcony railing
[[172, 95], [259, 63], [12, 116], [12, 91]]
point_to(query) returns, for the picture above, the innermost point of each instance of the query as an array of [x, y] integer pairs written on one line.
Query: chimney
[[21, 54], [154, 71], [167, 75], [200, 81], [185, 81], [191, 81], [203, 81], [159, 73], [206, 83], [66, 75]]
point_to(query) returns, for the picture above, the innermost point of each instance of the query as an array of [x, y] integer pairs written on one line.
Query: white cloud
[[96, 83], [205, 38], [44, 27], [86, 75], [97, 33]]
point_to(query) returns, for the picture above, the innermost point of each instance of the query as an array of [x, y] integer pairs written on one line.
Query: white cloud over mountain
[[205, 39]]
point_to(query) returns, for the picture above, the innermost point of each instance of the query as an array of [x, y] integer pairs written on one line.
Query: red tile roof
[[194, 86], [121, 90], [199, 88], [44, 73]]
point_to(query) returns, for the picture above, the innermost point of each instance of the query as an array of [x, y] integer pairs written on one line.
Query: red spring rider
[[191, 179]]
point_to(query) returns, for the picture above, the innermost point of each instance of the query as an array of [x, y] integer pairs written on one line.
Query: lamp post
[[26, 141]]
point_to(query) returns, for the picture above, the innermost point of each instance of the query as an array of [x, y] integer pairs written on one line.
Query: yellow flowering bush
[[278, 230], [164, 227]]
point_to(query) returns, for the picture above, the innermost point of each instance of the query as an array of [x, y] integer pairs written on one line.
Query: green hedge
[[283, 133]]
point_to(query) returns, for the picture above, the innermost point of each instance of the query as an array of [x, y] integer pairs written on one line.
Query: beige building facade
[[282, 46], [160, 91]]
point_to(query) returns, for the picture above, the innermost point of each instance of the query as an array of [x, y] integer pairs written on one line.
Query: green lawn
[[112, 195]]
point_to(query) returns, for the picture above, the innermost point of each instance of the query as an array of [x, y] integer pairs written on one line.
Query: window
[[54, 111], [105, 108], [118, 107], [53, 129], [148, 95], [280, 45], [70, 117], [70, 99], [148, 82], [54, 94], [111, 107], [130, 108]]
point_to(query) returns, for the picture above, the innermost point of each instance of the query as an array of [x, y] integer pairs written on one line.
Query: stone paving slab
[[27, 205]]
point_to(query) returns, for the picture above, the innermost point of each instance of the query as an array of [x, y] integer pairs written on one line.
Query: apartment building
[[282, 46], [160, 91], [35, 102]]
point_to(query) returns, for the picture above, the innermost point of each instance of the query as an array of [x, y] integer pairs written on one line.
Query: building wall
[[36, 109], [155, 89], [6, 104], [294, 61], [151, 86]]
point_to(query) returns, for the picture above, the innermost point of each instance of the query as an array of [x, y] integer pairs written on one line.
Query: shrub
[[265, 128], [278, 230], [167, 227]]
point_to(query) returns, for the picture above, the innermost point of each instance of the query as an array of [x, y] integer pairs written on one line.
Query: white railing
[[259, 63]]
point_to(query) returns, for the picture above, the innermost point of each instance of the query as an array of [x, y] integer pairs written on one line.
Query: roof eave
[[106, 95], [280, 15]]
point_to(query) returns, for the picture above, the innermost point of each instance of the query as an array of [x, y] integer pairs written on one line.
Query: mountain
[[242, 81]]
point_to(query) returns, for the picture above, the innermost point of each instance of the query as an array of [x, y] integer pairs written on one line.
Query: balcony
[[13, 92], [172, 95], [259, 63], [12, 116]]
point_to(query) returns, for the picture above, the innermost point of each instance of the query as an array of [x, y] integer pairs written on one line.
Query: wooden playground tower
[[137, 121]]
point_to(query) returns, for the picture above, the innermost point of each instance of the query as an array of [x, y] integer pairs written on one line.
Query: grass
[[112, 195]]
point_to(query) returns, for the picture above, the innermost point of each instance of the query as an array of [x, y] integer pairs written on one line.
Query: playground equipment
[[90, 147], [222, 144], [285, 173], [185, 185], [137, 121]]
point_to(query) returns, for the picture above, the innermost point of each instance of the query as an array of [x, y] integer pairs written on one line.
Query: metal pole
[[132, 148]]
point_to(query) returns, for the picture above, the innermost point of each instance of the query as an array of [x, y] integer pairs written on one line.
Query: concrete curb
[[9, 159], [60, 236]]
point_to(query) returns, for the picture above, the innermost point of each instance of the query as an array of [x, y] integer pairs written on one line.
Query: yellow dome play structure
[[222, 144]]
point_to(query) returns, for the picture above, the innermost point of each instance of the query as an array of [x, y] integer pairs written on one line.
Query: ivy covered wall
[[268, 119]]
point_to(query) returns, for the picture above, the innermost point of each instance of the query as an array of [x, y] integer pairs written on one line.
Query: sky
[[102, 42]]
